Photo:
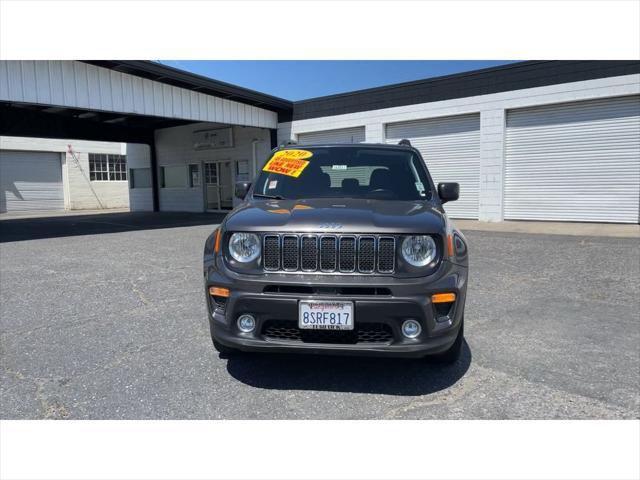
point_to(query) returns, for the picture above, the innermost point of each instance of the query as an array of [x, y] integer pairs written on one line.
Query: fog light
[[246, 323], [411, 329]]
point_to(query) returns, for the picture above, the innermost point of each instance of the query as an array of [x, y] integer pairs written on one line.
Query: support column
[[154, 174], [492, 138], [284, 133]]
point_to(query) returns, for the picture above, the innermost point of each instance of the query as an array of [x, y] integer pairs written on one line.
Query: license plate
[[325, 315]]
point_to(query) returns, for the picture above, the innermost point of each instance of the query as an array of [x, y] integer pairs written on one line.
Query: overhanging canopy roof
[[191, 81]]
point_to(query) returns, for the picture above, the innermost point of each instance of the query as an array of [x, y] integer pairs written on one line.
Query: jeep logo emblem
[[330, 226]]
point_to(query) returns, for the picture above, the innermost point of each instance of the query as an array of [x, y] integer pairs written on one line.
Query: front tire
[[452, 355]]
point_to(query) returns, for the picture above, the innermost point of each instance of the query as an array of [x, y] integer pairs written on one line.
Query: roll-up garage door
[[344, 135], [576, 161], [450, 147], [30, 181]]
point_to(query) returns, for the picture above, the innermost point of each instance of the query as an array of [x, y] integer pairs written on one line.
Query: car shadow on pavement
[[389, 376], [18, 229]]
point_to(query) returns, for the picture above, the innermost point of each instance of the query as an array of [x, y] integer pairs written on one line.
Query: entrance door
[[211, 186], [226, 185], [218, 177]]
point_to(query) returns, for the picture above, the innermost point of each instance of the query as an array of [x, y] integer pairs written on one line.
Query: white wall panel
[[343, 135], [127, 93], [81, 84], [138, 95], [55, 82], [43, 86], [29, 81], [4, 79], [84, 194], [195, 108], [68, 83], [93, 81], [78, 85], [59, 145], [139, 156], [105, 89], [450, 147], [574, 162], [15, 80]]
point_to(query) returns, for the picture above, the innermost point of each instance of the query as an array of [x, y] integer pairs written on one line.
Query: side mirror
[[242, 188], [448, 192]]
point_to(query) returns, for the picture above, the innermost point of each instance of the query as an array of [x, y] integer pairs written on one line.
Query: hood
[[337, 215]]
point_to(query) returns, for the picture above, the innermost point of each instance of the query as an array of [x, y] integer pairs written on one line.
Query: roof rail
[[404, 141], [288, 142]]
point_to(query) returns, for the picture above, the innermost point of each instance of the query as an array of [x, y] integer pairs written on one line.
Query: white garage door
[[344, 135], [574, 162], [451, 149], [30, 181]]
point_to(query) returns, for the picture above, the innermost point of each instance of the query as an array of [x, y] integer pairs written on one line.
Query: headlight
[[419, 250], [244, 247]]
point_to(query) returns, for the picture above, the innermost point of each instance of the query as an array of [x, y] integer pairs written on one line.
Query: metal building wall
[[576, 161], [343, 135], [492, 109], [74, 84], [450, 147]]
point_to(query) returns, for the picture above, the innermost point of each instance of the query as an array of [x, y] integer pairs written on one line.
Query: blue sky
[[298, 80]]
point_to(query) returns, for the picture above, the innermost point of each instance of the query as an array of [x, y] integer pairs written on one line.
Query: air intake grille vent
[[329, 253]]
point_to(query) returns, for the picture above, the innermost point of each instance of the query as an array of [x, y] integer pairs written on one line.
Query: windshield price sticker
[[288, 162]]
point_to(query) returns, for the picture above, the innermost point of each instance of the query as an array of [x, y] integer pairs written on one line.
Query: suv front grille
[[271, 254], [329, 253], [280, 330]]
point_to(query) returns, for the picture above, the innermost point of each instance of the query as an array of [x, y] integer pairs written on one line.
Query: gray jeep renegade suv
[[339, 249]]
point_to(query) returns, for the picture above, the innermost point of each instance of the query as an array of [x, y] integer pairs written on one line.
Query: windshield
[[329, 172]]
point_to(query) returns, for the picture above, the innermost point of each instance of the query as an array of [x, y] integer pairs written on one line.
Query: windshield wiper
[[272, 197]]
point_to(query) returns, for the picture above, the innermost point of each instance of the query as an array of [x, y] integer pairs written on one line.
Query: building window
[[194, 175], [211, 173], [104, 167], [242, 170], [173, 176], [140, 177]]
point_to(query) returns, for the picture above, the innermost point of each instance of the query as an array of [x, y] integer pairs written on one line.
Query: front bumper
[[401, 298]]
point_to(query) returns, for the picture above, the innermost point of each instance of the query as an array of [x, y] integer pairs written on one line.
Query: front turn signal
[[216, 246], [443, 298], [219, 292]]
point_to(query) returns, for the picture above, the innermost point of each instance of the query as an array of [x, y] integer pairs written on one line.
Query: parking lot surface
[[103, 317]]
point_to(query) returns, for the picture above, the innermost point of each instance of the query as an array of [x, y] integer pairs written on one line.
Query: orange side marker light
[[219, 292], [443, 298], [216, 247]]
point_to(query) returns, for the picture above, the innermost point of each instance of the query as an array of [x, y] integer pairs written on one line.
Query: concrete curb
[[553, 228]]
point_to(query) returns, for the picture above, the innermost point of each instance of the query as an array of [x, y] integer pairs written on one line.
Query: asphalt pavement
[[103, 317]]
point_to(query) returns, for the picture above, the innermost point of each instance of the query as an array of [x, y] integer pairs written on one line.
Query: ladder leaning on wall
[[77, 162]]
